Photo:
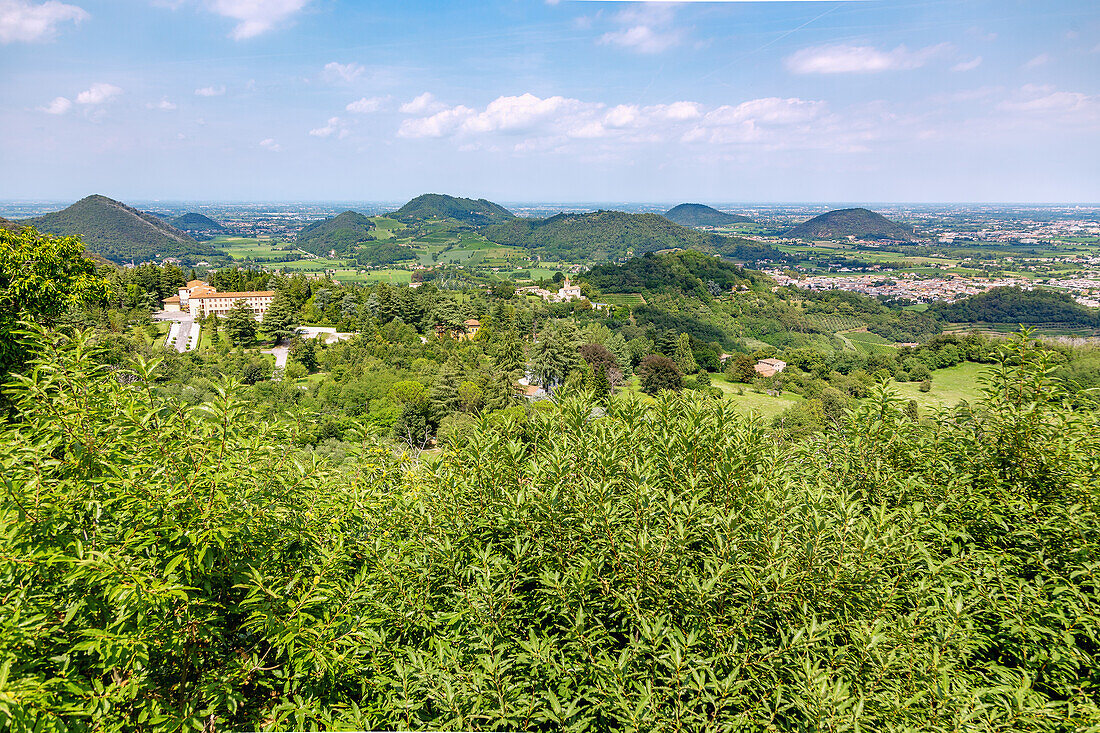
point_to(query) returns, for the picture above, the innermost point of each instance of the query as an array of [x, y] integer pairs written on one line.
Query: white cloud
[[256, 16], [98, 93], [334, 126], [270, 144], [343, 72], [1040, 60], [555, 122], [1053, 103], [645, 28], [845, 59], [968, 65], [424, 103], [163, 104], [59, 106], [643, 39], [210, 91], [21, 20], [366, 105]]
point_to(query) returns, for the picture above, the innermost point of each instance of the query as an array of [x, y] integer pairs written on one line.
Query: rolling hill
[[858, 223], [341, 233], [193, 222], [478, 212], [121, 233], [700, 215], [600, 236], [10, 225]]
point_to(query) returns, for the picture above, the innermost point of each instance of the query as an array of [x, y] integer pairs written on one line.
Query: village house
[[769, 367]]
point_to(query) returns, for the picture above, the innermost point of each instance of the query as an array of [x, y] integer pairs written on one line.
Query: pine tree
[[281, 318], [240, 324]]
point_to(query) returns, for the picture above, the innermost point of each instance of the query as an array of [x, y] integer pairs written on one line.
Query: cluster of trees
[[1016, 306]]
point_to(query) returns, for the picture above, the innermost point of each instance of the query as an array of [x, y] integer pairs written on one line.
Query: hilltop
[[340, 233], [119, 232], [686, 271], [1016, 306], [858, 223], [610, 235], [194, 222], [10, 225], [478, 212], [700, 215]]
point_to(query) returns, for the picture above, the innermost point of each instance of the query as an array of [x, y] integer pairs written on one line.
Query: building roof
[[472, 322], [234, 296], [173, 299], [196, 283]]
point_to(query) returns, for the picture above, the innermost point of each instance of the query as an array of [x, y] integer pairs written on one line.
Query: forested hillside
[[858, 223], [121, 233], [340, 233], [698, 215], [477, 212], [600, 236], [1016, 306]]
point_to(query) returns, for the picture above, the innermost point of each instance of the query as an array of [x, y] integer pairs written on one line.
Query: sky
[[573, 100]]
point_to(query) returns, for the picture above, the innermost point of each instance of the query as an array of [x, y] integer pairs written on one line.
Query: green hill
[[599, 236], [1016, 306], [699, 215], [685, 271], [478, 212], [193, 222], [119, 232], [858, 223], [341, 233]]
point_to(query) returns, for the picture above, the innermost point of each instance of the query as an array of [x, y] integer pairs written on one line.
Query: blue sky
[[525, 100]]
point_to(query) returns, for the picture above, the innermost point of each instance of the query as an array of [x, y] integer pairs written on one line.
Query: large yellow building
[[200, 299]]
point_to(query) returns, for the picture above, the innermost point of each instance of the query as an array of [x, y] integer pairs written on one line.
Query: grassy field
[[949, 387], [240, 248], [767, 406]]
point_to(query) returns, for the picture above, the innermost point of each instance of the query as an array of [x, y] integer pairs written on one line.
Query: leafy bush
[[659, 567]]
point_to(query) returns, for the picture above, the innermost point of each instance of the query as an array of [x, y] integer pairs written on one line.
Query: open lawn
[[767, 406], [240, 248], [949, 387]]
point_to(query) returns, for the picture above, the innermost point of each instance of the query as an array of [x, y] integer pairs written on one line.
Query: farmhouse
[[769, 367]]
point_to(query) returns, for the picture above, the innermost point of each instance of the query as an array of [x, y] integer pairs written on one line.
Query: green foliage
[[170, 566], [659, 373], [281, 319], [41, 277], [1016, 306], [240, 324], [555, 354]]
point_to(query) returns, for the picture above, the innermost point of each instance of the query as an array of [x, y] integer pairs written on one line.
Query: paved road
[[184, 333]]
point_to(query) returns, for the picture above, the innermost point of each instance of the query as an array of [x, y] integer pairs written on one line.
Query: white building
[[200, 299]]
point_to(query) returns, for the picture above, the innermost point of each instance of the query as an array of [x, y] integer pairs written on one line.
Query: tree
[[599, 358], [683, 355], [305, 353], [240, 324], [658, 373], [554, 355], [742, 368], [281, 319], [41, 277]]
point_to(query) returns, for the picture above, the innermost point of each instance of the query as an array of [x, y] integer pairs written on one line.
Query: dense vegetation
[[477, 212], [858, 223], [120, 233], [599, 236], [179, 566], [386, 536], [341, 233], [699, 215], [1016, 306]]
